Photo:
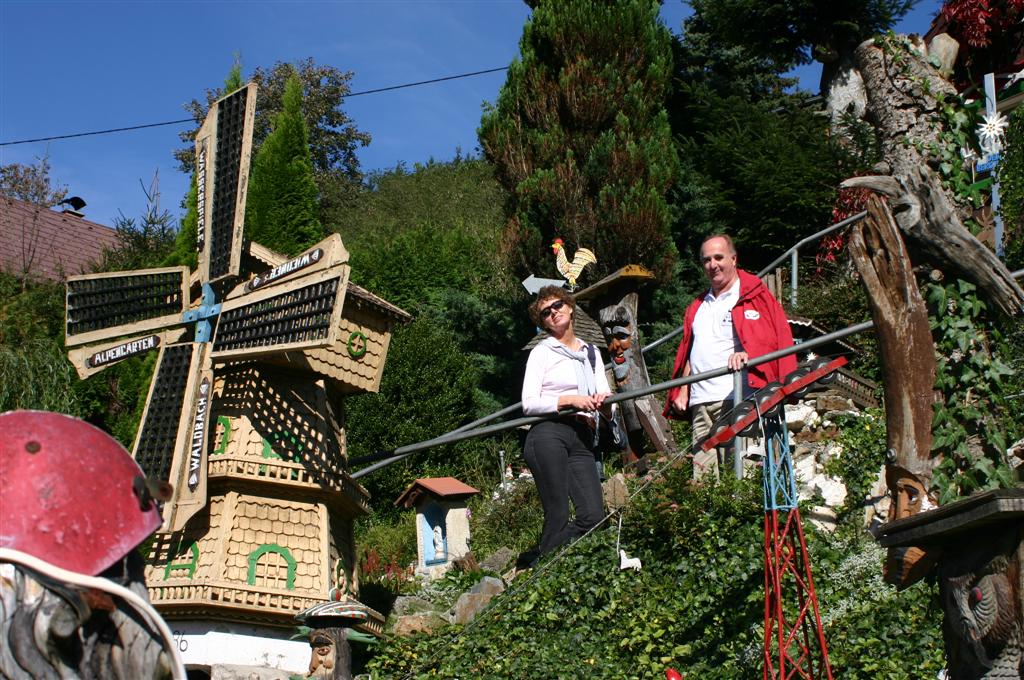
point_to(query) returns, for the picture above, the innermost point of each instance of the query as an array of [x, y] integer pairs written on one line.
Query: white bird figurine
[[571, 270], [627, 562]]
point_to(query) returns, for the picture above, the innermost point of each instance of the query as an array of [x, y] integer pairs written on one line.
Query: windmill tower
[[244, 422]]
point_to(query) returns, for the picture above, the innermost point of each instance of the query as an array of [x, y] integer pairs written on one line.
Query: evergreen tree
[[581, 139], [281, 207]]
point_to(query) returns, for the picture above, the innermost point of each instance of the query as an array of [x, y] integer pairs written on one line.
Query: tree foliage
[[333, 136], [142, 242], [580, 138], [1011, 189], [427, 389], [789, 33], [427, 239], [281, 206], [32, 183]]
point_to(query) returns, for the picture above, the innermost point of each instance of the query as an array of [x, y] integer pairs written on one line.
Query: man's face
[[719, 264]]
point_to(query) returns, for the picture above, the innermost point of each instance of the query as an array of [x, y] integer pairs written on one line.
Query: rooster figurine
[[571, 270]]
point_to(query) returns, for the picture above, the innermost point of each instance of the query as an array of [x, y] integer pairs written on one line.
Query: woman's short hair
[[547, 293]]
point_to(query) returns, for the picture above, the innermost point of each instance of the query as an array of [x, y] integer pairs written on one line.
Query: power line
[[191, 120]]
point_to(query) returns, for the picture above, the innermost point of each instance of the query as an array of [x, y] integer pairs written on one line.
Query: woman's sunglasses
[[550, 309]]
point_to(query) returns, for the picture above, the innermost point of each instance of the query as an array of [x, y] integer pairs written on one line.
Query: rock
[[800, 416], [417, 623], [488, 585], [831, 489], [232, 672], [499, 560], [943, 49], [823, 517], [468, 606], [615, 492], [833, 402], [410, 604]]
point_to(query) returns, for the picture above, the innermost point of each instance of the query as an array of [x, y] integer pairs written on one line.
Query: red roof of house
[[448, 488], [45, 244]]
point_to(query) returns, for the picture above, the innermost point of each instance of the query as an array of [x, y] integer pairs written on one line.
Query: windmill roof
[[42, 243], [447, 488]]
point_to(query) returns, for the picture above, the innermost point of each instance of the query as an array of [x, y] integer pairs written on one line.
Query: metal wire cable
[[192, 120]]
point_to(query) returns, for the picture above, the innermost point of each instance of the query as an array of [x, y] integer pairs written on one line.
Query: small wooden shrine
[[442, 522]]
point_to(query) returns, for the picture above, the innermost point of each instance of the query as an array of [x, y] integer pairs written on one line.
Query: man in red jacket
[[735, 320]]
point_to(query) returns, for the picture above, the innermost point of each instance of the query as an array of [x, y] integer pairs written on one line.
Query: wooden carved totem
[[615, 297]]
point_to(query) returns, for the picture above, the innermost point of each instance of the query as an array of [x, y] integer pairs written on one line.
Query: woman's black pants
[[562, 463]]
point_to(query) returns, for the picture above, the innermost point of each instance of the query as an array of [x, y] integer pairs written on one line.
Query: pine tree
[[281, 207], [580, 137]]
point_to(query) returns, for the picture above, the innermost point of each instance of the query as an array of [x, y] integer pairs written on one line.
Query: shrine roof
[[44, 243], [583, 325], [447, 488]]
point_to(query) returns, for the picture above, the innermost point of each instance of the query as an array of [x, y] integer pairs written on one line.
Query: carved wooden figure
[[978, 545], [616, 300]]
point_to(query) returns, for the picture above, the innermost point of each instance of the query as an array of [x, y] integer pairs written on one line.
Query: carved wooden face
[[618, 333], [981, 599], [907, 491]]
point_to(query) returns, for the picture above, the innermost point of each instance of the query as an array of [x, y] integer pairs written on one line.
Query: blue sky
[[69, 66]]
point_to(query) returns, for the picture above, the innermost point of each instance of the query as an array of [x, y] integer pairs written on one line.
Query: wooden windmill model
[[244, 418]]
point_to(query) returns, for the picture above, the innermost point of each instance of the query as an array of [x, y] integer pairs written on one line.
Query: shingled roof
[[44, 244]]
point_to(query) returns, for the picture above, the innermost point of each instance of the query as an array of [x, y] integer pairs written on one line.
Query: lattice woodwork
[[104, 306], [223, 153], [296, 315], [171, 442]]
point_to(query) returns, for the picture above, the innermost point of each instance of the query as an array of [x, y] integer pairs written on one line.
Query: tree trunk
[[901, 89], [908, 357]]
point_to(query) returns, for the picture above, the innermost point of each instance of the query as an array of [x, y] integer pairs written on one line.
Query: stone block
[[834, 402], [231, 672], [410, 604], [615, 492], [488, 585], [468, 606], [413, 624], [499, 560]]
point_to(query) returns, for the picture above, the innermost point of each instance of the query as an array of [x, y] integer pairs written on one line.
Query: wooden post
[[908, 358]]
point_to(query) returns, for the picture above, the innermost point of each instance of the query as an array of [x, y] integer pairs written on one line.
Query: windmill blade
[[223, 156], [324, 255], [170, 446], [301, 313], [102, 306], [92, 359]]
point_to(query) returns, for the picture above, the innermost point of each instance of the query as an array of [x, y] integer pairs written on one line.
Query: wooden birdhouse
[[244, 424], [442, 522]]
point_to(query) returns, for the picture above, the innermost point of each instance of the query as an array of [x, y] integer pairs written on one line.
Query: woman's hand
[[582, 402]]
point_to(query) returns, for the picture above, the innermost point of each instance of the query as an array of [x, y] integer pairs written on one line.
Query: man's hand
[[737, 361], [679, 403]]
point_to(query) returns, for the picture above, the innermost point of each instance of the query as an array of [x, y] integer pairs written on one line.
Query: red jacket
[[759, 322]]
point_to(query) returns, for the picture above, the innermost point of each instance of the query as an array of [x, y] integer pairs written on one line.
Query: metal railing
[[467, 432]]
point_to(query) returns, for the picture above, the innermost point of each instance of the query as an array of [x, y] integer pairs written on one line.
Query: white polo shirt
[[714, 341]]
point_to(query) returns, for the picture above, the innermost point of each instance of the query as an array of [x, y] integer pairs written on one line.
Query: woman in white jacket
[[563, 373]]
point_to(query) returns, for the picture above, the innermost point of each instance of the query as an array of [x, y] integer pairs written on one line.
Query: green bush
[[697, 604]]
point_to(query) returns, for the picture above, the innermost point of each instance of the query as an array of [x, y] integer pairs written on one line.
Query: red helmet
[[69, 493]]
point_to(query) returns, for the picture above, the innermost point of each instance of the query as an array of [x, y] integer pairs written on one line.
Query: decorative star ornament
[[991, 132]]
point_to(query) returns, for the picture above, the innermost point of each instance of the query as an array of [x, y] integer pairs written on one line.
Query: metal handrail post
[[794, 262], [739, 445]]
